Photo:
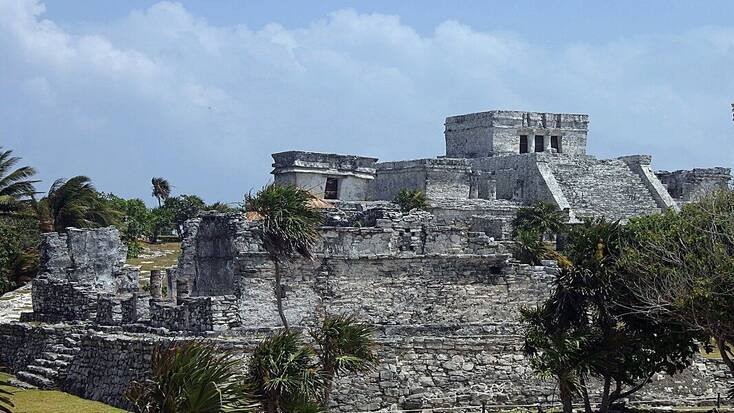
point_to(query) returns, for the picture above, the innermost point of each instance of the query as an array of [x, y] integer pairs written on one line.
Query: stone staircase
[[605, 187], [49, 371]]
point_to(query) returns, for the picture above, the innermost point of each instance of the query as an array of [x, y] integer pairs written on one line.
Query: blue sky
[[202, 92]]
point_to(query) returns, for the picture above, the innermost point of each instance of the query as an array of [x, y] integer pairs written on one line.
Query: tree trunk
[[724, 349], [585, 394], [565, 395], [604, 407], [279, 294]]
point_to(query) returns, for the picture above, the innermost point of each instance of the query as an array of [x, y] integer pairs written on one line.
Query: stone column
[[171, 283], [156, 279], [531, 143], [546, 143], [491, 189], [182, 291]]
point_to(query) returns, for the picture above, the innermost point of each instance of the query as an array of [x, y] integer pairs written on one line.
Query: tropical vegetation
[[288, 227], [410, 199], [190, 377]]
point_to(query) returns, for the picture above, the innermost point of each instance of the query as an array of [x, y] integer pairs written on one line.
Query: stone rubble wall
[[407, 291], [196, 314], [420, 367], [690, 185]]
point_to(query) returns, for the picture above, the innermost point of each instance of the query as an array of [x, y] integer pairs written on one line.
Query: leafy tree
[[18, 262], [135, 221], [585, 329], [161, 189], [288, 226], [5, 403], [410, 199], [681, 269], [183, 208], [541, 218], [344, 345], [193, 377], [282, 374], [16, 187], [530, 227], [74, 203], [161, 222]]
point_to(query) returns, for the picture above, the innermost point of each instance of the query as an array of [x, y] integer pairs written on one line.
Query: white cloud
[[163, 92]]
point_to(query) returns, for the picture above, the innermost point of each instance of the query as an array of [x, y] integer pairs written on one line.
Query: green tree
[[193, 377], [344, 345], [74, 203], [16, 187], [183, 208], [283, 376], [531, 226], [410, 199], [288, 226], [586, 330], [541, 218], [681, 269], [161, 189], [135, 221], [161, 222]]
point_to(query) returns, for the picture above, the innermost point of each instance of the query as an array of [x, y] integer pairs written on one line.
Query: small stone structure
[[440, 286]]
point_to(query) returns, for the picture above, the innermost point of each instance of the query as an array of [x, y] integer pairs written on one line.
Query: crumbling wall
[[77, 266], [690, 185]]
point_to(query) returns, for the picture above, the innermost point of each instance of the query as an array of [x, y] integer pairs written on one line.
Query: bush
[[410, 199], [134, 248]]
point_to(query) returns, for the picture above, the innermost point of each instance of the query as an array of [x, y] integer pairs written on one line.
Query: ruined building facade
[[440, 287]]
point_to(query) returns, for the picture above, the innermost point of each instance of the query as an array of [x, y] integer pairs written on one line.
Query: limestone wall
[[690, 185], [437, 178]]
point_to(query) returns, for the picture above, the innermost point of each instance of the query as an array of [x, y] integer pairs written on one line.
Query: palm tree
[[542, 218], [73, 203], [5, 403], [191, 378], [288, 227], [344, 346], [15, 186], [282, 375], [161, 189]]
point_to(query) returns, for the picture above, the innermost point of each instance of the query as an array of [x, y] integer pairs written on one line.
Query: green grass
[[48, 401], [171, 251]]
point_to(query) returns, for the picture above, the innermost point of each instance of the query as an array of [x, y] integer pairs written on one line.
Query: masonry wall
[[690, 185], [437, 178], [493, 133]]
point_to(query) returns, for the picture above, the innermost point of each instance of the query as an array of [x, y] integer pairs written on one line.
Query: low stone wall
[[197, 314], [420, 367], [57, 299]]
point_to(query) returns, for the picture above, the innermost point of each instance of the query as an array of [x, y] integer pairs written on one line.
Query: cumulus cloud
[[163, 92]]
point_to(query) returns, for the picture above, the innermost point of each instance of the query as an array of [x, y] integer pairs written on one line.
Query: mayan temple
[[440, 286]]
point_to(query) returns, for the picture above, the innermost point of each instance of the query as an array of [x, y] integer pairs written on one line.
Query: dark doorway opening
[[523, 143], [332, 188], [556, 143], [539, 143]]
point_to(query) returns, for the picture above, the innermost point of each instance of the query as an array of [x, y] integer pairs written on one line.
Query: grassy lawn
[[47, 401], [156, 257]]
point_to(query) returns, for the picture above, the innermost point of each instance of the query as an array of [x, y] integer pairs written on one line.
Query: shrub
[[410, 199]]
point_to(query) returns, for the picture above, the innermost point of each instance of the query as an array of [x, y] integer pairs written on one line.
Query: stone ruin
[[440, 286]]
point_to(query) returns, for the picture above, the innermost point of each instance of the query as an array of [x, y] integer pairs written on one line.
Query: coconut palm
[[344, 345], [282, 375], [161, 189], [288, 224], [193, 377], [16, 187], [73, 203], [5, 403]]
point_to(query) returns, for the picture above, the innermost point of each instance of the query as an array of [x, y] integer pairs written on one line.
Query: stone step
[[56, 363], [35, 380], [49, 373]]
